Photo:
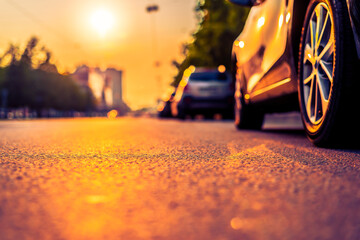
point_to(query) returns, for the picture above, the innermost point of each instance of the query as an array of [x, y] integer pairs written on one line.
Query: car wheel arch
[[239, 80], [299, 11]]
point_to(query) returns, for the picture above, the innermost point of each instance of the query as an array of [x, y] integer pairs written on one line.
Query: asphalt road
[[142, 178]]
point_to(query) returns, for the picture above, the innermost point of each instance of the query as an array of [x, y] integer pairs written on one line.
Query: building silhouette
[[105, 85]]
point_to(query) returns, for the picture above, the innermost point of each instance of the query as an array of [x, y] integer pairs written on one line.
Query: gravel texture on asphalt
[[142, 178]]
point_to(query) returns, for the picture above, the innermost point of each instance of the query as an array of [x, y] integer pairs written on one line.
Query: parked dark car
[[204, 91], [300, 54]]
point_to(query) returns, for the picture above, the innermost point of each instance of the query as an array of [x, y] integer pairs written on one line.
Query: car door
[[249, 46], [261, 46], [276, 68]]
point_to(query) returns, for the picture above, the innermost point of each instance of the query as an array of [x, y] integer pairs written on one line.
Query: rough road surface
[[140, 178]]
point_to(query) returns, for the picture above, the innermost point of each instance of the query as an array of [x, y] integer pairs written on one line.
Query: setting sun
[[102, 21]]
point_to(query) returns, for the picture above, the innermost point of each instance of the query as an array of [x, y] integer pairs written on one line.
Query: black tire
[[228, 115], [327, 76], [181, 113], [208, 115], [247, 116]]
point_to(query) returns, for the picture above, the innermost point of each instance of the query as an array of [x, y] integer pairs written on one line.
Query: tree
[[220, 22], [28, 54], [32, 81], [18, 82]]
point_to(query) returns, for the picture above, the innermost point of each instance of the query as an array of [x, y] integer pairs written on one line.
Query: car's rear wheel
[[327, 68], [181, 113], [247, 116]]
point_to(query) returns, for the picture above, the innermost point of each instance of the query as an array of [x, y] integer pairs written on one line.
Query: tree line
[[220, 22], [30, 80]]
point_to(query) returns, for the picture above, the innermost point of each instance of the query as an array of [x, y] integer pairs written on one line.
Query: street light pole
[[152, 9]]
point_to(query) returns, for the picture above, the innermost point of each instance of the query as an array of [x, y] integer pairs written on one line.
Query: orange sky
[[66, 29]]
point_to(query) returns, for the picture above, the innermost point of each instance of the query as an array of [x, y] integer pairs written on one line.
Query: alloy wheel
[[318, 64]]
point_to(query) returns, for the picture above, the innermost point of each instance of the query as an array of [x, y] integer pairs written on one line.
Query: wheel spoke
[[309, 100], [312, 35], [328, 50], [318, 12], [324, 98], [316, 102], [308, 55], [323, 30], [308, 79], [328, 69]]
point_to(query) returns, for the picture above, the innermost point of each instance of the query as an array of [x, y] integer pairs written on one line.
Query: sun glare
[[102, 21]]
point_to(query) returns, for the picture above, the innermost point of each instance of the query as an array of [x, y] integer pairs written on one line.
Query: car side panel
[[249, 48], [261, 61], [281, 76], [275, 34]]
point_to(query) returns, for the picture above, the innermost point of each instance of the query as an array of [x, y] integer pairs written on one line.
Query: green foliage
[[37, 88], [51, 90], [220, 22]]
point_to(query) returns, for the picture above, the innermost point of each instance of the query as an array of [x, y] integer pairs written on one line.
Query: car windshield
[[208, 76]]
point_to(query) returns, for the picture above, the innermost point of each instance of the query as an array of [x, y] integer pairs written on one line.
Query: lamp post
[[152, 9]]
